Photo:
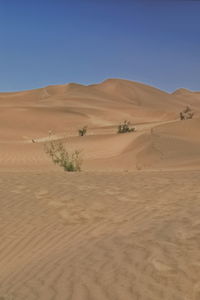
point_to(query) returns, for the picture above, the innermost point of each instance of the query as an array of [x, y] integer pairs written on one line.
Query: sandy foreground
[[100, 235], [126, 227]]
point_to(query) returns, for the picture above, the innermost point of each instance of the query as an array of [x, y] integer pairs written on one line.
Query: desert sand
[[127, 226]]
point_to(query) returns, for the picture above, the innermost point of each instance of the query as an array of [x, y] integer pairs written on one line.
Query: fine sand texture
[[96, 236], [127, 226]]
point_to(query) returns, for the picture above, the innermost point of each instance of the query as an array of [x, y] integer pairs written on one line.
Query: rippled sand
[[100, 235]]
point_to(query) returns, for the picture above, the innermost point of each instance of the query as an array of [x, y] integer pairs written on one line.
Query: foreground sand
[[96, 236]]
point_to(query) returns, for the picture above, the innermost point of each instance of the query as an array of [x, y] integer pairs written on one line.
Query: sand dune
[[173, 145], [188, 98], [127, 227], [64, 109], [59, 107]]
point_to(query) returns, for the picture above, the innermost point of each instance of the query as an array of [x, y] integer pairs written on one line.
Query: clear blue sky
[[46, 42]]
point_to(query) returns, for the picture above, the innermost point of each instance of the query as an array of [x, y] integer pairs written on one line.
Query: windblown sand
[[127, 226], [100, 235]]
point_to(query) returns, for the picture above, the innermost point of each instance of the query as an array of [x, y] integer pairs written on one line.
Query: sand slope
[[63, 109], [173, 145], [67, 107], [100, 236], [188, 98]]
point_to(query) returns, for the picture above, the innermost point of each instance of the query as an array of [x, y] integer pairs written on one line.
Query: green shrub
[[59, 155], [125, 127], [82, 131]]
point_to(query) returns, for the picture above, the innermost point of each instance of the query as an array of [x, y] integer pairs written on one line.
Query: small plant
[[186, 114], [82, 131], [125, 127], [59, 155]]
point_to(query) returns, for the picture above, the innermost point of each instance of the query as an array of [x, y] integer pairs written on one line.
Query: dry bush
[[71, 162], [186, 114], [82, 131], [125, 127]]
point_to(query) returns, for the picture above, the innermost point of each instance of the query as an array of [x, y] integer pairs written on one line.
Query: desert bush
[[71, 162], [186, 114], [125, 127], [82, 131]]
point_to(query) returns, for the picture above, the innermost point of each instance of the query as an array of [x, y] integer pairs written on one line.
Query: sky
[[45, 42]]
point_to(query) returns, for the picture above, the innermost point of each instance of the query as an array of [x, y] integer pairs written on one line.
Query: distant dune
[[63, 109], [181, 92]]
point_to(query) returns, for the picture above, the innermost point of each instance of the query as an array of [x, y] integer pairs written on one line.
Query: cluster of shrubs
[[122, 128], [186, 114], [125, 127], [70, 162]]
